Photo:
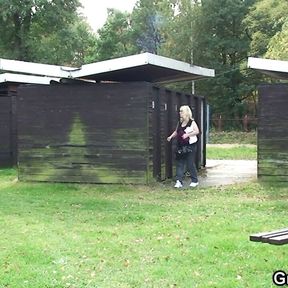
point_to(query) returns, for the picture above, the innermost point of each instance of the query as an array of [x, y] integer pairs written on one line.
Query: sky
[[96, 10]]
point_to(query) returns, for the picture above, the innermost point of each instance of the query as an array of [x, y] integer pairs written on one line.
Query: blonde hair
[[187, 111]]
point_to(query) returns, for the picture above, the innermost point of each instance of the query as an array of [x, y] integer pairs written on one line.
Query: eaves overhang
[[274, 68], [141, 67], [26, 79]]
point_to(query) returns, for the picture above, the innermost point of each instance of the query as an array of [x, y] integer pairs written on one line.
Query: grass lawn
[[232, 145], [237, 152], [233, 137], [59, 235]]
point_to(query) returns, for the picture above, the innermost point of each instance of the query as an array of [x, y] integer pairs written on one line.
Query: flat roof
[[35, 68], [274, 68], [27, 79], [141, 67]]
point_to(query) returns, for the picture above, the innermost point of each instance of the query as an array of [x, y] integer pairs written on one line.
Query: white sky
[[96, 10]]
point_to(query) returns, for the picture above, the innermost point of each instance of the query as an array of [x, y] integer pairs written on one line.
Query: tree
[[41, 30], [220, 42], [149, 20], [115, 37], [179, 36], [264, 20], [72, 45], [142, 31], [278, 45]]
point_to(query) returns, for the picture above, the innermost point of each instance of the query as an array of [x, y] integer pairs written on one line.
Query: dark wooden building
[[106, 132], [8, 138], [100, 133], [272, 121], [8, 117]]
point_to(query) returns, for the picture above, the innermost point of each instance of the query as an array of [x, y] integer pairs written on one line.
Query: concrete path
[[224, 172]]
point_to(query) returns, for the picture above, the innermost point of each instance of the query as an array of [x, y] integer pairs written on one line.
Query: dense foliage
[[47, 31], [215, 34]]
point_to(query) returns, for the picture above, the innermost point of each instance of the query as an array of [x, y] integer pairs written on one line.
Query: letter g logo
[[279, 278]]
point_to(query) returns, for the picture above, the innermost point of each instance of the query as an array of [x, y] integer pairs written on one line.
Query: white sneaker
[[178, 184], [194, 184]]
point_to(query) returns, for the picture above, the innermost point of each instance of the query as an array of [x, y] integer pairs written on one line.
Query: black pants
[[187, 161]]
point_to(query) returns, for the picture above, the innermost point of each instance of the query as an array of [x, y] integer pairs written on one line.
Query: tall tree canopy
[[215, 34], [264, 19], [278, 45], [220, 42], [143, 30], [150, 20], [49, 31], [115, 37]]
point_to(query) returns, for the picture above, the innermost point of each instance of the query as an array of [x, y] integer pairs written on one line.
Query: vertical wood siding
[[79, 133], [273, 133], [8, 142], [13, 131], [98, 133], [163, 118], [5, 131]]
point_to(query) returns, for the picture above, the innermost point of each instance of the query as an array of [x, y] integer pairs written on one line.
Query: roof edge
[[267, 64], [27, 79], [36, 68]]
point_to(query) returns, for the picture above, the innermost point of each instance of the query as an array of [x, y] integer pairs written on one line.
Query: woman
[[185, 132]]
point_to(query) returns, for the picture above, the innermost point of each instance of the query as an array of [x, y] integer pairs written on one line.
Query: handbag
[[182, 151]]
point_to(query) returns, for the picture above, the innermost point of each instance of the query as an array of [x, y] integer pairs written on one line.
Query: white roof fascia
[[268, 64], [111, 65], [36, 68], [104, 67], [179, 65], [20, 78], [140, 60]]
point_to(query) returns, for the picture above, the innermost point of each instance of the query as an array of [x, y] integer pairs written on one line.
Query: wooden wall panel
[[5, 131], [169, 126], [176, 102], [155, 129], [273, 133], [163, 130], [13, 119], [8, 125], [83, 133], [163, 120], [98, 133], [151, 135]]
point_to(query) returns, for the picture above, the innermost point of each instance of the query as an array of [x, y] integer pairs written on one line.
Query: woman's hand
[[184, 136], [174, 134]]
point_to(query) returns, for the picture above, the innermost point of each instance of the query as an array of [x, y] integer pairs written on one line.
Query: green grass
[[232, 137], [57, 235], [241, 152]]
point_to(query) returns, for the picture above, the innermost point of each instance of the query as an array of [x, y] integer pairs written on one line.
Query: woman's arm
[[174, 134], [194, 131]]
